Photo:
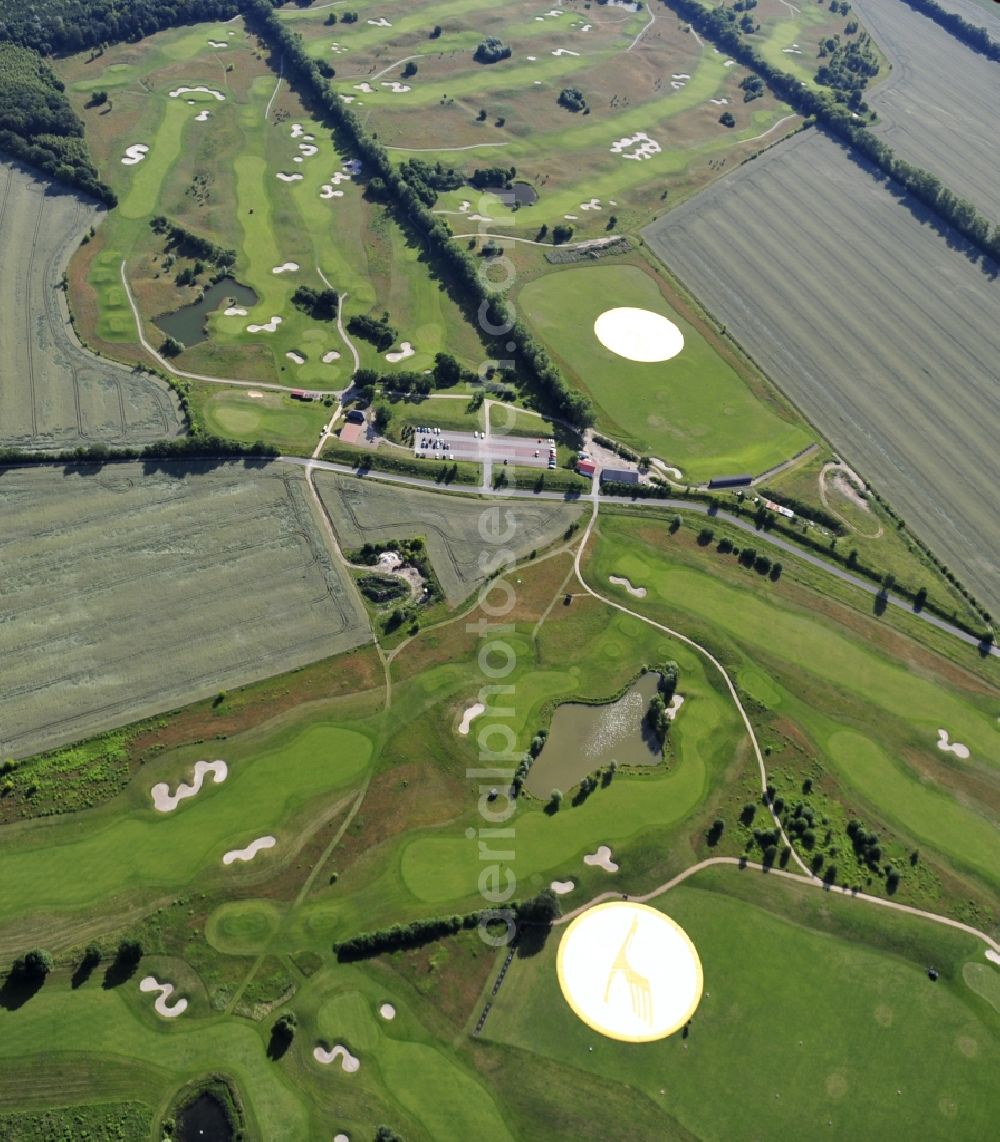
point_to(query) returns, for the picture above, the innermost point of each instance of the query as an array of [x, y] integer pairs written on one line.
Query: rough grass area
[[105, 1122], [57, 395], [454, 528], [863, 712], [134, 588], [852, 994], [693, 411], [864, 360]]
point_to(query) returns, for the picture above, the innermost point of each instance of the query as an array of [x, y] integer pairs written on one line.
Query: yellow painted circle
[[629, 972]]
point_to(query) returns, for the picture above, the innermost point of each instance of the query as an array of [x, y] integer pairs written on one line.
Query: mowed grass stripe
[[66, 868], [898, 376]]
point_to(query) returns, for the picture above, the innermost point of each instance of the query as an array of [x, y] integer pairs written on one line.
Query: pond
[[189, 323], [583, 738], [523, 193], [203, 1120]]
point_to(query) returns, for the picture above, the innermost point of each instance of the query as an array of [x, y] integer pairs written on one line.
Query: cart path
[[811, 881], [701, 650]]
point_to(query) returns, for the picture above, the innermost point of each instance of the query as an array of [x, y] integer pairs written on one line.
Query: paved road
[[685, 505]]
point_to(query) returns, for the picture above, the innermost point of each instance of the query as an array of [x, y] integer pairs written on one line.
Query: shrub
[[491, 50]]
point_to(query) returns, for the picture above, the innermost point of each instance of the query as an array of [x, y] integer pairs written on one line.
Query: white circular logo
[[638, 334], [629, 972]]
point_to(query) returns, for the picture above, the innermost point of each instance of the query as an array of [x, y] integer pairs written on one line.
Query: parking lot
[[519, 451]]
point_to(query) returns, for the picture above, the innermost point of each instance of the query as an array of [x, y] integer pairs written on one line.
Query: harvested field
[[935, 106], [55, 394], [366, 511], [885, 337], [131, 589]]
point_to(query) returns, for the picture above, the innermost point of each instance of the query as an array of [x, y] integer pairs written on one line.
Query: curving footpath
[[701, 650], [811, 881]]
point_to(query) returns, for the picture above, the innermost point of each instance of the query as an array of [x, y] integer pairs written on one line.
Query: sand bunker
[[533, 59], [297, 131], [602, 858], [297, 358], [674, 708], [387, 1011], [250, 851], [288, 177], [135, 154], [469, 716], [571, 217], [561, 887], [396, 88], [364, 88], [621, 581], [202, 116], [268, 327], [593, 204], [162, 1005], [165, 802], [405, 350], [327, 191], [308, 150], [381, 22], [564, 52], [729, 63], [959, 750], [254, 395], [234, 311], [645, 147], [176, 94], [218, 44], [638, 334], [341, 1138], [285, 268], [719, 102], [330, 356], [586, 27], [348, 1062]]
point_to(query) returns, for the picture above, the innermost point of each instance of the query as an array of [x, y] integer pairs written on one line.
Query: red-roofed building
[[586, 467]]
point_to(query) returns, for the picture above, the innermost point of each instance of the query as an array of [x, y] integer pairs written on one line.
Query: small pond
[[523, 193], [203, 1120], [189, 324], [583, 738]]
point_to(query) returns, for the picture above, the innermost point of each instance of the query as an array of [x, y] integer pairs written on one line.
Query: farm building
[[730, 481], [586, 467], [619, 476], [355, 416]]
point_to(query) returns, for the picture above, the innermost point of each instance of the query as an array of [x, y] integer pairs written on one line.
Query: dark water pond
[[521, 192], [583, 738], [203, 1120], [189, 324]]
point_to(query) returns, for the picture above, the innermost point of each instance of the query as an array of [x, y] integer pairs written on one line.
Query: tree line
[[39, 127], [496, 316], [972, 35], [823, 108], [55, 27]]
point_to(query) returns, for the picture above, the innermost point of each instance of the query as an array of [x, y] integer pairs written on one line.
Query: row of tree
[[461, 270], [187, 244], [972, 35], [838, 119], [39, 127]]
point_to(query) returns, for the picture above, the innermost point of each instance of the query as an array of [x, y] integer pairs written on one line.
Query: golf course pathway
[[697, 646], [352, 348], [811, 881]]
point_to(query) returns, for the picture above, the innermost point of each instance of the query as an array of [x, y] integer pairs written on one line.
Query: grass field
[[693, 411], [291, 425], [57, 395], [927, 105], [663, 83], [218, 177], [898, 379], [861, 1041], [133, 589], [871, 717], [453, 528]]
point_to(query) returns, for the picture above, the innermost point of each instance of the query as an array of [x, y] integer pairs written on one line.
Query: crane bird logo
[[640, 989]]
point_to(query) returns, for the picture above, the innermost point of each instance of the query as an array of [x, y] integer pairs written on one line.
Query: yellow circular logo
[[629, 972]]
